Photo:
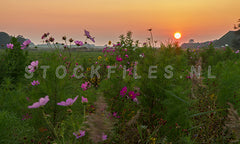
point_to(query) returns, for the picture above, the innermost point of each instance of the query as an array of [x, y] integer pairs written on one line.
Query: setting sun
[[177, 35]]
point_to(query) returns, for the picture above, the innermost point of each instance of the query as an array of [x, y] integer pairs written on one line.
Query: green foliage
[[13, 129], [13, 62]]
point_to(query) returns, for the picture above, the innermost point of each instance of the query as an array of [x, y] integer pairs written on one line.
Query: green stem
[[50, 126], [84, 113]]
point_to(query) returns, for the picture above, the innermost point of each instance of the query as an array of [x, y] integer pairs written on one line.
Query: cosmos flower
[[123, 91], [68, 102], [78, 43], [85, 86], [25, 44], [35, 83], [87, 34], [119, 59], [33, 66], [79, 134], [132, 95], [10, 46], [45, 35], [51, 39], [84, 100], [104, 137], [41, 102]]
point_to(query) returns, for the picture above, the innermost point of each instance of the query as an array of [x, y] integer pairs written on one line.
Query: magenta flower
[[79, 134], [41, 102], [132, 95], [123, 91], [68, 102], [33, 66], [45, 35], [87, 34], [10, 46], [84, 100], [237, 51], [104, 137], [51, 39], [126, 56], [35, 83], [119, 59], [188, 77], [78, 43], [25, 44], [85, 86]]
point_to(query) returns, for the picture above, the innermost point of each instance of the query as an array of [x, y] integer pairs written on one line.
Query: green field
[[172, 102]]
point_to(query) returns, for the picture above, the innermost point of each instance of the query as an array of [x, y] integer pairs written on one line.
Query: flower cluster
[[33, 66], [34, 83], [131, 94]]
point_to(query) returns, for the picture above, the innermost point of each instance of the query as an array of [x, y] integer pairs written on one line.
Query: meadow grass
[[175, 106]]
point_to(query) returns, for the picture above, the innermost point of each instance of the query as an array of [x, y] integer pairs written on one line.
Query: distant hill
[[228, 39], [6, 38]]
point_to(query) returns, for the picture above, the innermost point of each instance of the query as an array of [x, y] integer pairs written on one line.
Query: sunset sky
[[200, 20]]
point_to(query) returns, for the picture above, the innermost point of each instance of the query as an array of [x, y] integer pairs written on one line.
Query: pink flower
[[33, 66], [51, 39], [188, 77], [68, 102], [35, 83], [41, 102], [25, 44], [45, 35], [78, 43], [132, 95], [10, 46], [85, 86], [123, 91], [84, 100], [237, 51], [79, 134], [119, 59], [126, 56], [108, 67], [104, 137], [136, 100], [87, 34]]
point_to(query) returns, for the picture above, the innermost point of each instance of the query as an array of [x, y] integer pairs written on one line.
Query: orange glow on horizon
[[106, 19]]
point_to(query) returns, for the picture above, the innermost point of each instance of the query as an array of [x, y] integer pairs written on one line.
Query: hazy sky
[[107, 19]]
